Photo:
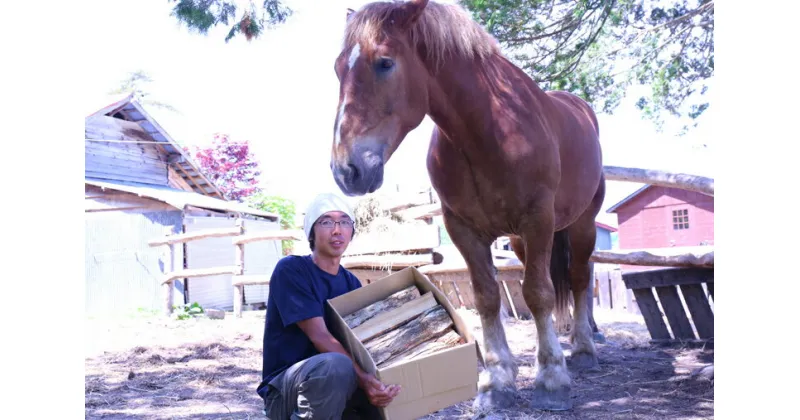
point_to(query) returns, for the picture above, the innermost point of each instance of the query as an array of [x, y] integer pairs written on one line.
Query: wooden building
[[664, 221], [660, 217], [603, 240], [140, 183]]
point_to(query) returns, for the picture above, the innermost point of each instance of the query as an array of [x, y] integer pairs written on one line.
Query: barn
[[673, 220], [139, 184]]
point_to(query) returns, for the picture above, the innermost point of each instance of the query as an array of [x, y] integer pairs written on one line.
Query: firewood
[[395, 318], [431, 324], [394, 301], [450, 339]]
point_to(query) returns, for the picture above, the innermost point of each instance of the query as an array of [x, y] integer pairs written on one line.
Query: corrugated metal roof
[[180, 198]]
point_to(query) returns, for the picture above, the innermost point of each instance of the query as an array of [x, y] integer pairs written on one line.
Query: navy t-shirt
[[298, 290]]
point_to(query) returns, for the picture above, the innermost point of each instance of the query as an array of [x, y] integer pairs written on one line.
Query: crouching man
[[307, 373]]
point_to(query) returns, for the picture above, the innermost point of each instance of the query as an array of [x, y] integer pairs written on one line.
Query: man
[[307, 373]]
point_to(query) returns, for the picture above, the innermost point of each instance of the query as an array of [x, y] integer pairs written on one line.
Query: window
[[680, 219]]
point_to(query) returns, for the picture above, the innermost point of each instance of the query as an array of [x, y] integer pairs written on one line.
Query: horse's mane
[[443, 29]]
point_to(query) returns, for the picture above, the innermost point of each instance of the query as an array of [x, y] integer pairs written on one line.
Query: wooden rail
[[238, 279], [193, 236]]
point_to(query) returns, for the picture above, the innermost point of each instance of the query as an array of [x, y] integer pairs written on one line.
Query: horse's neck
[[448, 90], [463, 94]]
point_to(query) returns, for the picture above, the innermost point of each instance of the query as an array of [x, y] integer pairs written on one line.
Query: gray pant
[[321, 387]]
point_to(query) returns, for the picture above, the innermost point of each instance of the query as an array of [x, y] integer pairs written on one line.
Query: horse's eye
[[385, 64]]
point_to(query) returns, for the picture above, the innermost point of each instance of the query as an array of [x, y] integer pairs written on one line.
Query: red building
[[660, 217]]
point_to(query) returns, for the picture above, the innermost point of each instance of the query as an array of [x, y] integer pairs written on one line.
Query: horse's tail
[[559, 273]]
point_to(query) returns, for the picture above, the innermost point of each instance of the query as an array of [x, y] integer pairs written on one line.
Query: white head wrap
[[322, 204]]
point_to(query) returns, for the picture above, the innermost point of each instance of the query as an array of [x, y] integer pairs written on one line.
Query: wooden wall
[[647, 221], [132, 162]]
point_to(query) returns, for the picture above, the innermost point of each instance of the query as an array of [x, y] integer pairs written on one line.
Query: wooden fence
[[674, 301], [610, 292], [682, 296], [238, 280]]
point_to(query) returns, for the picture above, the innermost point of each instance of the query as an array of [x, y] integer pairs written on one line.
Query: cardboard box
[[429, 383]]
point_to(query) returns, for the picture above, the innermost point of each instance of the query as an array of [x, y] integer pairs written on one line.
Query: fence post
[[169, 267], [238, 291]]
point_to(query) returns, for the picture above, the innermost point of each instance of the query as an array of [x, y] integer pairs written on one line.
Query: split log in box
[[397, 299], [397, 334], [403, 329]]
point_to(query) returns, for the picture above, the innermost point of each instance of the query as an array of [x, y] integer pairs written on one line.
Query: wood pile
[[404, 326]]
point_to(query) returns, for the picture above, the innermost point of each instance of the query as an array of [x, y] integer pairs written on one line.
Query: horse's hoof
[[599, 337], [584, 361], [494, 398], [556, 400]]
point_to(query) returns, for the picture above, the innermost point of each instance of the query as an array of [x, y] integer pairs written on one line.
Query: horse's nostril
[[352, 172]]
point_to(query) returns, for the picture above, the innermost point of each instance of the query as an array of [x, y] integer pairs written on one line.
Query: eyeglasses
[[329, 224]]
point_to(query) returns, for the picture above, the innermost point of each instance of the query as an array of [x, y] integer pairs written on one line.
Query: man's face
[[333, 232]]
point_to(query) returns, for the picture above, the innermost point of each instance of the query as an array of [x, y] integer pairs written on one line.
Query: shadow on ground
[[635, 380]]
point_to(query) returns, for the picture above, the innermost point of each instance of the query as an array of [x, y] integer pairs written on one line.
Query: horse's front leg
[[496, 386], [552, 383]]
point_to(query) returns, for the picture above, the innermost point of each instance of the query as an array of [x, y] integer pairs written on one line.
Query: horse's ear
[[350, 13], [409, 12]]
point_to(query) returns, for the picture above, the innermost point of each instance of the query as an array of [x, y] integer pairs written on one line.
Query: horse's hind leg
[[597, 335], [496, 387], [582, 237], [583, 349]]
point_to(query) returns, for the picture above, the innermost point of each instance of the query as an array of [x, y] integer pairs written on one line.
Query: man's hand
[[378, 394]]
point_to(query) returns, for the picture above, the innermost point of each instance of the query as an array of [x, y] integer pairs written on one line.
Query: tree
[[230, 166], [202, 15], [136, 82], [284, 207], [599, 48]]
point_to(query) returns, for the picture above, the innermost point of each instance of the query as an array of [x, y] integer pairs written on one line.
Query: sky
[[280, 93]]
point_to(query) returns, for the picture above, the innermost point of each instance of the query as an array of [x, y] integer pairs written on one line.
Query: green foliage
[[598, 49], [183, 312], [203, 15], [284, 207]]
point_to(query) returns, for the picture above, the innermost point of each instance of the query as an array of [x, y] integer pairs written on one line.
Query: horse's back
[[575, 107]]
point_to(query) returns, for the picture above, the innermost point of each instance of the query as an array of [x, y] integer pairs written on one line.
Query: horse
[[505, 157]]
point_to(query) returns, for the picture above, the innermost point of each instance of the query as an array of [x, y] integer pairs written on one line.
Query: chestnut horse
[[506, 158]]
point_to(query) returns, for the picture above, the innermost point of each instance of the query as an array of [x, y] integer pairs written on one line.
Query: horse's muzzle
[[359, 176]]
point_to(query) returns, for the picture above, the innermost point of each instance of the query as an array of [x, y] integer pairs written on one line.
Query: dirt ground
[[146, 367]]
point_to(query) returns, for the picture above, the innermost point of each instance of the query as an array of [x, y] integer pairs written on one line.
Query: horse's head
[[383, 93]]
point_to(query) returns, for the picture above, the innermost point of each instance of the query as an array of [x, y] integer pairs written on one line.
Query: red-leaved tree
[[230, 166]]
